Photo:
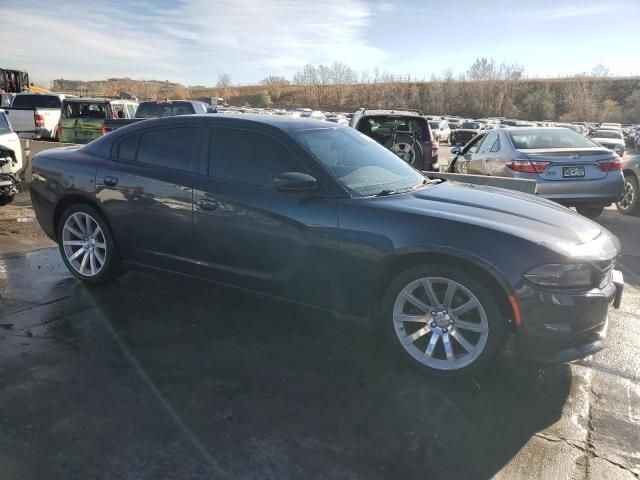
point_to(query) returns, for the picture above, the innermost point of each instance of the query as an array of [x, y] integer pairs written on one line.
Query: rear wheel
[[443, 320], [628, 202], [590, 211], [87, 245]]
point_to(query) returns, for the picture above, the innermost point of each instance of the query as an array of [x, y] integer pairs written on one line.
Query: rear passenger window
[[249, 157], [127, 148], [169, 147]]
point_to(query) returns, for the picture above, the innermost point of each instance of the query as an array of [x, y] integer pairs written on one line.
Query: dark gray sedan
[[324, 216], [568, 168]]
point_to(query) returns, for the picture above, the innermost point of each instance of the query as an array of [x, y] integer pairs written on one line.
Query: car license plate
[[569, 172]]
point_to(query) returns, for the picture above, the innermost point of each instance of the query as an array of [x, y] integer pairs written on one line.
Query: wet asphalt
[[161, 377]]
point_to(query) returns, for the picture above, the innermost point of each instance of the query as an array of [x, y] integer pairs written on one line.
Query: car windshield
[[470, 125], [164, 109], [36, 101], [533, 138], [434, 125], [84, 110], [359, 163], [607, 134]]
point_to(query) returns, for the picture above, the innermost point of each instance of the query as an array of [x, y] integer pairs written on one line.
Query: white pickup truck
[[35, 115]]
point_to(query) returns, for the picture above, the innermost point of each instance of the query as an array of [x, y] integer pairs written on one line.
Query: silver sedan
[[568, 168]]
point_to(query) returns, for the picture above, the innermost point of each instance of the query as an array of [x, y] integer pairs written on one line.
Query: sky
[[193, 41]]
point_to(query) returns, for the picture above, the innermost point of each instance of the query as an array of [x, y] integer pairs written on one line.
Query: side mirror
[[295, 182], [456, 150]]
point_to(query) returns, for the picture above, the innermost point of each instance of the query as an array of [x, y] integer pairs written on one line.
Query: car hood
[[527, 216], [467, 130]]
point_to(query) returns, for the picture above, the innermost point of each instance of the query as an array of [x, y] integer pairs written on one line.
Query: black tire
[[112, 266], [590, 211], [631, 204], [497, 327], [6, 199]]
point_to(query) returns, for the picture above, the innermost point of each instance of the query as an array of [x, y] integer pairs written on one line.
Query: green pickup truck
[[83, 119]]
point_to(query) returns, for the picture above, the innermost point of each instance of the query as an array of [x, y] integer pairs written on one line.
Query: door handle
[[110, 181], [208, 206]]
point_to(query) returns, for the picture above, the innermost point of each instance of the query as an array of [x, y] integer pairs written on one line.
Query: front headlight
[[561, 275]]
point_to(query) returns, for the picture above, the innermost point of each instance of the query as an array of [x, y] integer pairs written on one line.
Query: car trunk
[[569, 163], [80, 130]]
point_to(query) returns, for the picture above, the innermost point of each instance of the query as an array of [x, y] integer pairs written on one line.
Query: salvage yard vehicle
[[629, 201], [610, 139], [324, 216], [10, 161], [441, 131], [405, 133], [568, 167], [466, 132], [157, 109], [83, 118], [35, 115]]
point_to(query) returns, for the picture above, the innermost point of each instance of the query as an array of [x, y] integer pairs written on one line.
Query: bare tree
[[224, 80]]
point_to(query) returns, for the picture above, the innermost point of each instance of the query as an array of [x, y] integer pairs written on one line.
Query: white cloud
[[189, 40]]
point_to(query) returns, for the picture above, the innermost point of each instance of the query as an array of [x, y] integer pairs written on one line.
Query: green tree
[[540, 105]]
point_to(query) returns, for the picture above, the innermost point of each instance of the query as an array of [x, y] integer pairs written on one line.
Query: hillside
[[572, 99]]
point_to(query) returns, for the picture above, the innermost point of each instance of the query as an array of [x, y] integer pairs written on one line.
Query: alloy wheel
[[628, 195], [84, 244], [405, 151], [440, 323]]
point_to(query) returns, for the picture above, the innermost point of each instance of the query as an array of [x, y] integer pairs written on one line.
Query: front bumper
[[562, 327]]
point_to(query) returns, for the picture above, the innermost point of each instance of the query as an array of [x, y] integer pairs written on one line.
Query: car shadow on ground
[[158, 374]]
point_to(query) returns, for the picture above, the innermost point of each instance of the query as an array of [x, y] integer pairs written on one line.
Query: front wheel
[[628, 202], [443, 320], [590, 211], [87, 246]]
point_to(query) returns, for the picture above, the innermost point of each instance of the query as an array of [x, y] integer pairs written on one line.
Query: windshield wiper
[[386, 193]]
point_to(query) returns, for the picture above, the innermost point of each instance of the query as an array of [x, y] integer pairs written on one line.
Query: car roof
[[375, 113], [86, 100]]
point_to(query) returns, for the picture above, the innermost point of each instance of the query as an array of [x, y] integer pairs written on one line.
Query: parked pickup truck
[[35, 115], [83, 118], [157, 109]]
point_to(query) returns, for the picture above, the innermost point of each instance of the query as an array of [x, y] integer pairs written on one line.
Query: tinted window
[[164, 109], [127, 148], [84, 110], [36, 101], [169, 147], [249, 157], [4, 124]]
